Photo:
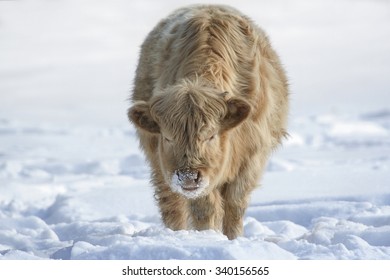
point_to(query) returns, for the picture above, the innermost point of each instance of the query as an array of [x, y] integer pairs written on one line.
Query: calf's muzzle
[[188, 178]]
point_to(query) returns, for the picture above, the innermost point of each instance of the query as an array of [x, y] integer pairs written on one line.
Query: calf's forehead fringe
[[192, 111]]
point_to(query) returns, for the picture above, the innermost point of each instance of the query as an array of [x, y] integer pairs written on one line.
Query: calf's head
[[192, 125]]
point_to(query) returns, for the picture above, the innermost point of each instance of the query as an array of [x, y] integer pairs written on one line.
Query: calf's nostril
[[197, 177]]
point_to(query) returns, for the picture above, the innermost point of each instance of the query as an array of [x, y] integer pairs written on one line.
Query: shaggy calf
[[210, 102]]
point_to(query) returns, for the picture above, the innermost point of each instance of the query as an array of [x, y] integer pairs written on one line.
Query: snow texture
[[74, 184]]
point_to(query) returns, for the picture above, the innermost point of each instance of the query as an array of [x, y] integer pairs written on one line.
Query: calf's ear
[[238, 111], [139, 115]]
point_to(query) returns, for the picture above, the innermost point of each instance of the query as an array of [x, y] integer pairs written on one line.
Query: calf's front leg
[[173, 208], [236, 197]]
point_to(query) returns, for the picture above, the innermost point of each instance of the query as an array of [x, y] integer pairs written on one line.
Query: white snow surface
[[74, 184]]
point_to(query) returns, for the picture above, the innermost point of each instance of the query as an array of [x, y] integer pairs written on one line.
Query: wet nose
[[188, 178]]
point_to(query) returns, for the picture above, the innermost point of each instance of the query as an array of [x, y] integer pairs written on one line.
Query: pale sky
[[75, 60]]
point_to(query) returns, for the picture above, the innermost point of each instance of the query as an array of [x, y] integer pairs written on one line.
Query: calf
[[210, 103]]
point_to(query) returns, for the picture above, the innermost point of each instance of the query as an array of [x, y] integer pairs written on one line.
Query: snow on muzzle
[[189, 182]]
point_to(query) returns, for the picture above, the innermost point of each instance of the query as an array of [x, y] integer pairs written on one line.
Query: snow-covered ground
[[74, 185]]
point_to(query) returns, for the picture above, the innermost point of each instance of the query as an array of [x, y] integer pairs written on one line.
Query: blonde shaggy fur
[[210, 104]]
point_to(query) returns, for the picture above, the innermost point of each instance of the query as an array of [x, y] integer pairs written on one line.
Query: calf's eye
[[212, 137]]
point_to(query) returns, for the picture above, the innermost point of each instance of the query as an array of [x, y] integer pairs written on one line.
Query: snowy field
[[74, 185]]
